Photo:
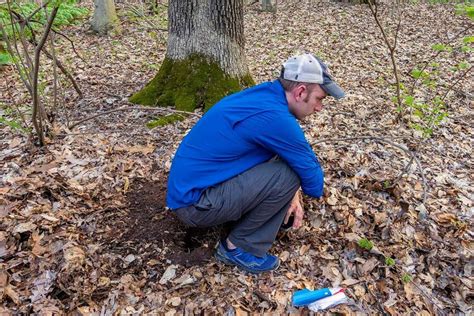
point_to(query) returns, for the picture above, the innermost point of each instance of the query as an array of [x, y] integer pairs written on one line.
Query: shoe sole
[[223, 259]]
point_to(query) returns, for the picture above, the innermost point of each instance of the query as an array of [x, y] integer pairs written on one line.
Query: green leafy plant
[[426, 111], [441, 48], [466, 9], [407, 278], [389, 261], [428, 115], [366, 244], [429, 110], [9, 117], [13, 124]]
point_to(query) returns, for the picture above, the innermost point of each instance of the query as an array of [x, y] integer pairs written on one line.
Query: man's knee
[[288, 175]]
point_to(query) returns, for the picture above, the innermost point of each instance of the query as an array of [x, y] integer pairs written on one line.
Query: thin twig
[[35, 11], [373, 6], [384, 140], [440, 310], [455, 83], [426, 64], [55, 74], [127, 108], [17, 108], [21, 69], [400, 14], [65, 72], [29, 20], [422, 173], [108, 132], [148, 21], [24, 43], [70, 41]]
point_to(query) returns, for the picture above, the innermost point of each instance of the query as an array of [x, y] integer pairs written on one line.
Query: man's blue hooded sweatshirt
[[239, 132]]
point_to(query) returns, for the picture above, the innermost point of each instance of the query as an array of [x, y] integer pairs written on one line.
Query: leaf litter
[[84, 227]]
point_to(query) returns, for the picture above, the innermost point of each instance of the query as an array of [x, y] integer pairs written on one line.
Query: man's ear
[[300, 92]]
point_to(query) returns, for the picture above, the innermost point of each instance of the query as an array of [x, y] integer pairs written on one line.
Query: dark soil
[[147, 227]]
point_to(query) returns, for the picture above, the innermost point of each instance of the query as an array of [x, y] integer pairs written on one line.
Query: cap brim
[[333, 90]]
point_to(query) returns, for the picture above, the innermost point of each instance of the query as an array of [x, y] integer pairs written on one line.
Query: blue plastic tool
[[306, 297]]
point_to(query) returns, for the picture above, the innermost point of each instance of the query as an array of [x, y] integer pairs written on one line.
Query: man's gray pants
[[256, 201]]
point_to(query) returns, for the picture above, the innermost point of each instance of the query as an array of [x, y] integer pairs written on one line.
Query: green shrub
[[67, 14]]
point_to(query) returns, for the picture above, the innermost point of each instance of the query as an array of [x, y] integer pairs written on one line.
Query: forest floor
[[84, 226]]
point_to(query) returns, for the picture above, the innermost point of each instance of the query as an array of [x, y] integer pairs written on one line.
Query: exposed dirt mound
[[156, 233]]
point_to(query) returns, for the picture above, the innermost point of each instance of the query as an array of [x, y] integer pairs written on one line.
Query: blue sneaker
[[246, 261]]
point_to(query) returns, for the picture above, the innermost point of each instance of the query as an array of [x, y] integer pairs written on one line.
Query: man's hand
[[296, 209]]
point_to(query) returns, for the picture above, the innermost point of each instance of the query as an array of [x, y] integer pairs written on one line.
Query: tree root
[[128, 108]]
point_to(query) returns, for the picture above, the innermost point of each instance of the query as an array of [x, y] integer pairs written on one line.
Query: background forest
[[83, 223]]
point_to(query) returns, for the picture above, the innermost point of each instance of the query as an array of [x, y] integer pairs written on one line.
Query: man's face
[[307, 101]]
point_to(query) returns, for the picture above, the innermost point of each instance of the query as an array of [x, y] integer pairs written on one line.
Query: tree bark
[[105, 18], [205, 57]]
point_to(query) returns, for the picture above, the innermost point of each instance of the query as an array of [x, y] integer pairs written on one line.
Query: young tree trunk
[[268, 6], [205, 57], [105, 18]]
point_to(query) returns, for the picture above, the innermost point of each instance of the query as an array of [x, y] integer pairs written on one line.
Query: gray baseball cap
[[310, 69]]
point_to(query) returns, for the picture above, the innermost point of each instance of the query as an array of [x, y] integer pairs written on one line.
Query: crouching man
[[245, 160]]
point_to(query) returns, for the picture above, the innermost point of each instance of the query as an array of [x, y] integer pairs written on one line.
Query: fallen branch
[[384, 140], [126, 108]]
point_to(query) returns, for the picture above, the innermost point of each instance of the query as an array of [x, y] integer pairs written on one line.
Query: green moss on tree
[[164, 120], [189, 83]]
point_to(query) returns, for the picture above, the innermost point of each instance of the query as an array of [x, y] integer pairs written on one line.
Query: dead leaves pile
[[55, 200]]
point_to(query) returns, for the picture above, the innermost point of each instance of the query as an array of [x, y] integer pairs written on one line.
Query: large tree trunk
[[105, 18], [205, 57]]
